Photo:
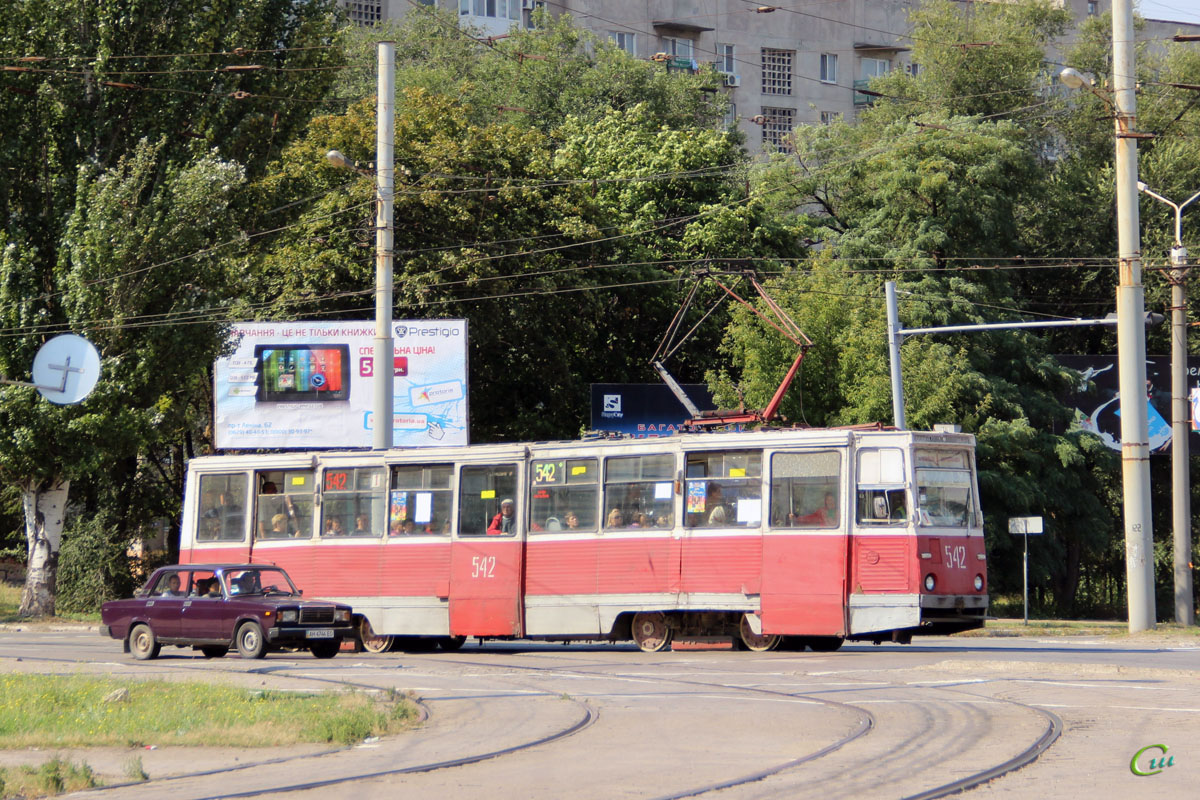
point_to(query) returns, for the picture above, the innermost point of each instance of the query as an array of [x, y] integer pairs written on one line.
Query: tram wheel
[[758, 642], [451, 643], [650, 631], [825, 644], [373, 642]]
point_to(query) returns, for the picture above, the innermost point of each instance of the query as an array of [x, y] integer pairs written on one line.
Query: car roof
[[218, 567]]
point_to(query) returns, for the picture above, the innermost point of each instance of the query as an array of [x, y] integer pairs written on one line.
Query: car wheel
[[325, 649], [143, 643], [250, 640], [214, 651], [451, 643]]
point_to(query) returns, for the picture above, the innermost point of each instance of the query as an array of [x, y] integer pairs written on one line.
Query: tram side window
[[353, 501], [944, 488], [222, 511], [806, 489], [881, 491], [284, 506], [481, 491], [724, 489], [421, 500], [639, 491], [563, 495]]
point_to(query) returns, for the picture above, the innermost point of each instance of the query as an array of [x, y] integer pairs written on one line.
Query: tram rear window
[[222, 510], [284, 505]]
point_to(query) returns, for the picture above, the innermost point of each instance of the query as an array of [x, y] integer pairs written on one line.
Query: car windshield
[[258, 581]]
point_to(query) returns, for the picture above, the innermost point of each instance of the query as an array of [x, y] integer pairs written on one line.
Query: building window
[[777, 71], [874, 67], [624, 41], [497, 9], [778, 124], [731, 116], [725, 60], [1092, 8], [678, 47], [829, 67], [364, 12], [830, 117], [912, 69]]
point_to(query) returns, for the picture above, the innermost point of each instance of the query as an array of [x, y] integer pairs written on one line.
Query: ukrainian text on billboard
[[310, 384]]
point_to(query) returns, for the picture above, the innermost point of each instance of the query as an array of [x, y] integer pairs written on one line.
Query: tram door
[[487, 553]]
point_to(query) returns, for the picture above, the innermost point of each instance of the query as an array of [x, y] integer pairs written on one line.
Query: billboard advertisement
[[644, 410], [1097, 400], [309, 384]]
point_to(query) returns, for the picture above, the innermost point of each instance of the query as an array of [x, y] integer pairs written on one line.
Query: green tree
[[107, 181]]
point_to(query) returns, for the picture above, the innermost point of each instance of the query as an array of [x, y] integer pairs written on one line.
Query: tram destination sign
[[309, 384]]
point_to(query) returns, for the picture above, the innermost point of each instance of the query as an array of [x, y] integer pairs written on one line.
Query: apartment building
[[787, 65]]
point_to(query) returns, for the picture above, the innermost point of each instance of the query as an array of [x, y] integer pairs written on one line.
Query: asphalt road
[[602, 721]]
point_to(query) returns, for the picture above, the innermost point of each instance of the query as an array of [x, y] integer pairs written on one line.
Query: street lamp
[[384, 350], [1180, 472], [1131, 335]]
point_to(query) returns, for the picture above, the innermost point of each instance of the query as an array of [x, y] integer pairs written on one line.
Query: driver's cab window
[[487, 501], [881, 488]]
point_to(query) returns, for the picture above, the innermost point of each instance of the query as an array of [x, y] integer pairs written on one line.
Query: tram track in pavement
[[836, 785]]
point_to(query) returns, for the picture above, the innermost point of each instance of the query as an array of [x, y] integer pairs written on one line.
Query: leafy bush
[[94, 566]]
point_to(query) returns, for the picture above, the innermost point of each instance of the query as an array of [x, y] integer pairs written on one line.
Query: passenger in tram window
[[719, 514], [505, 521], [571, 519], [408, 527], [640, 521], [615, 519], [333, 527], [665, 521], [279, 529], [269, 487], [362, 525], [823, 517]]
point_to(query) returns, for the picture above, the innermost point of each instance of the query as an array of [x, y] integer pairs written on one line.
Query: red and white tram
[[822, 534]]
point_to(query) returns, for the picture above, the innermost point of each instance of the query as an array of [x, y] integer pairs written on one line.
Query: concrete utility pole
[[385, 175], [1181, 490], [1131, 332]]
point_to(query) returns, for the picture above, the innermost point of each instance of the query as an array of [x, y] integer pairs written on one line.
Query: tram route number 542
[[956, 557], [483, 566]]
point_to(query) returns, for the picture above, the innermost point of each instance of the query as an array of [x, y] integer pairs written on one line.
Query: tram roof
[[686, 442]]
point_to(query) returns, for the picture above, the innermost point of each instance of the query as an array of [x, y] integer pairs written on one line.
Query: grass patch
[[10, 604], [1062, 627], [70, 711], [53, 777]]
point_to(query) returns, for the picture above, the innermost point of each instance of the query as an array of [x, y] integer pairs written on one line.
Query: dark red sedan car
[[213, 607]]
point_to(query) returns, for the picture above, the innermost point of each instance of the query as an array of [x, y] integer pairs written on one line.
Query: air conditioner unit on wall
[[733, 81]]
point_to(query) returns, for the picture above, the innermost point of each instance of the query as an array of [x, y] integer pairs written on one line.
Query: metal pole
[[1131, 334], [1025, 570], [385, 126], [894, 338], [1180, 471]]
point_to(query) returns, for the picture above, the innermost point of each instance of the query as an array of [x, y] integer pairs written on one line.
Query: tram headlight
[[979, 583], [930, 582]]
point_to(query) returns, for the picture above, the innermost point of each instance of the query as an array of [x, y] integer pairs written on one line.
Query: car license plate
[[319, 633]]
